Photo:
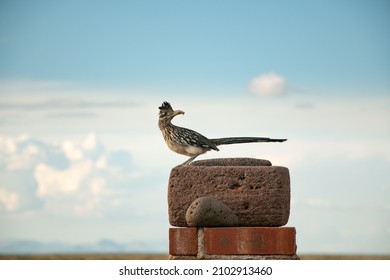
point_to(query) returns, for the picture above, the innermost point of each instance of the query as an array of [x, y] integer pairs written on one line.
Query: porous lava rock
[[210, 212], [257, 192]]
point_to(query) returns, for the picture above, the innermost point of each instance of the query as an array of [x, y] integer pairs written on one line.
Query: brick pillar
[[232, 243], [240, 205]]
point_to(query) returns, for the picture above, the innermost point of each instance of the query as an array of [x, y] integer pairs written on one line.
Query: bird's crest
[[165, 106], [165, 109]]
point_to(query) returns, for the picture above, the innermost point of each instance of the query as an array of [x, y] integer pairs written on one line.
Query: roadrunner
[[191, 143]]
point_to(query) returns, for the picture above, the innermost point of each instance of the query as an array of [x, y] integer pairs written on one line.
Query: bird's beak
[[178, 112]]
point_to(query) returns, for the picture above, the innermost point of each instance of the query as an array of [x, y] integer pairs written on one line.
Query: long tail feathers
[[239, 140]]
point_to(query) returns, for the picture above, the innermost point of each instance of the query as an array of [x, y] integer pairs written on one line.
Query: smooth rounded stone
[[232, 162], [258, 195], [210, 212]]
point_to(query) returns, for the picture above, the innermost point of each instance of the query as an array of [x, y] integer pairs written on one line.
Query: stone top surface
[[232, 162]]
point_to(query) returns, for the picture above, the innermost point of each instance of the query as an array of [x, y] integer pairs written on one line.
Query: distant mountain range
[[102, 246]]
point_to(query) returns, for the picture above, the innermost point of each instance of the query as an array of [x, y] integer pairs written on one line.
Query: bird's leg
[[187, 162]]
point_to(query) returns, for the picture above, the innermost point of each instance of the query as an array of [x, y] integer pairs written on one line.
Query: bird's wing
[[189, 137]]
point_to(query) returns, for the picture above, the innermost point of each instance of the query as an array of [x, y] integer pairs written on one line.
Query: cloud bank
[[78, 178]]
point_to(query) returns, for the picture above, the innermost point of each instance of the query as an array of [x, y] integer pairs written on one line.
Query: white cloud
[[97, 186], [69, 178], [52, 182], [9, 200], [90, 142], [101, 163], [93, 173], [72, 152], [7, 145], [268, 84], [90, 148], [18, 152]]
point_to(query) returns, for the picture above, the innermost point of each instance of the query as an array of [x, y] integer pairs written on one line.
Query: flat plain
[[165, 257]]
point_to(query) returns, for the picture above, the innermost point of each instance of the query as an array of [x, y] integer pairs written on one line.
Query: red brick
[[250, 241], [183, 241]]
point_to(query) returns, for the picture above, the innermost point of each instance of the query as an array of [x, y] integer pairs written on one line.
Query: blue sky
[[202, 45], [81, 156]]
